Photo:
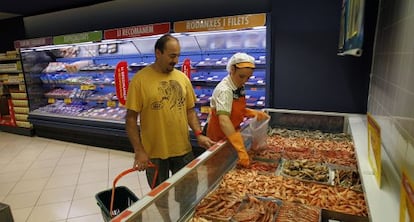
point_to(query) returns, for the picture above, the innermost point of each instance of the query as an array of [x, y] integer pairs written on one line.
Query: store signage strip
[[221, 23], [137, 31], [374, 147], [27, 43], [406, 198], [78, 38]]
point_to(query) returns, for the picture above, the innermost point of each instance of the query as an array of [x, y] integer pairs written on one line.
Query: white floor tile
[[24, 186], [37, 173], [89, 190], [48, 180], [62, 181], [52, 151], [89, 218], [66, 169], [10, 176], [74, 152], [4, 159], [70, 160], [26, 156], [94, 166], [50, 212], [56, 195], [22, 200], [21, 215], [121, 163], [37, 146], [44, 163], [5, 188], [18, 165], [93, 176], [84, 207]]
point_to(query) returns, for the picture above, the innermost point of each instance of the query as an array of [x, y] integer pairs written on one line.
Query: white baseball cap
[[241, 60]]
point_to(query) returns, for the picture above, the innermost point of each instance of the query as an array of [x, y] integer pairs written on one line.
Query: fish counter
[[306, 170]]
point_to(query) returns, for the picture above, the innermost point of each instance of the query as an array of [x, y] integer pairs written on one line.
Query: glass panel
[[179, 201]]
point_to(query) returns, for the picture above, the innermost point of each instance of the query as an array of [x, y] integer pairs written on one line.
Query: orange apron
[[238, 110]]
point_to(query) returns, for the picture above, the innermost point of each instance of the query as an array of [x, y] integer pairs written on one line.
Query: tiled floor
[[47, 180]]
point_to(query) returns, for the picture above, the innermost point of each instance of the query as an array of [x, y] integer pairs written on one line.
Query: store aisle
[[47, 180]]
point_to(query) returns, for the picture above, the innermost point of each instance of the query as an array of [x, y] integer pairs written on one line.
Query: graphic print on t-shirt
[[171, 95]]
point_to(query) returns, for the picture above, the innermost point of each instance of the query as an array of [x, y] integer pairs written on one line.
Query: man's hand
[[204, 141], [141, 161]]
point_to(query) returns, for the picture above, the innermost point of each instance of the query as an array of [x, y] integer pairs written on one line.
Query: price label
[[88, 87], [111, 103], [205, 109], [67, 100], [51, 100]]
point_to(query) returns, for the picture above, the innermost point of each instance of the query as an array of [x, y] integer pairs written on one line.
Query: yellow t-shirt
[[162, 101]]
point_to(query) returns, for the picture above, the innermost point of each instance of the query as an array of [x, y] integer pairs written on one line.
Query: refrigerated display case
[[82, 105], [208, 176], [78, 105]]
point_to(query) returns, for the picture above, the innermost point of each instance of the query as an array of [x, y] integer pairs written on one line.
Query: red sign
[[26, 43], [121, 81], [186, 68], [137, 31]]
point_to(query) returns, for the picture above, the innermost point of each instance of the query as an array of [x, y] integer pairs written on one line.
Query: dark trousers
[[185, 190]]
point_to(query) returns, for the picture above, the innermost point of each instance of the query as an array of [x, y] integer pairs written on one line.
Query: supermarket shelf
[[103, 133]]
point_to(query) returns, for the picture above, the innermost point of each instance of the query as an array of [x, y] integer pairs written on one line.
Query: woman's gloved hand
[[260, 115], [237, 141]]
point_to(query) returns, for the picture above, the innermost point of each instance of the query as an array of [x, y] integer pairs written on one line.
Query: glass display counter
[[206, 172], [185, 189]]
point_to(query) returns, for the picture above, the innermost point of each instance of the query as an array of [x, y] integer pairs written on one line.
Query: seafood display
[[221, 205], [296, 212], [242, 182], [257, 209], [334, 148], [265, 153], [347, 178], [264, 167], [306, 170]]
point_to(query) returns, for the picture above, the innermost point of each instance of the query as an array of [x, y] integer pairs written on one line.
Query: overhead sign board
[[137, 31], [27, 43], [78, 38], [221, 23]]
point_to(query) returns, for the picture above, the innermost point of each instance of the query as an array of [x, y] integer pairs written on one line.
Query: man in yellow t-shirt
[[164, 100]]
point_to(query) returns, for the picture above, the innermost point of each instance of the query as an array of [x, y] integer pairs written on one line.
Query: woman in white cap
[[228, 105]]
